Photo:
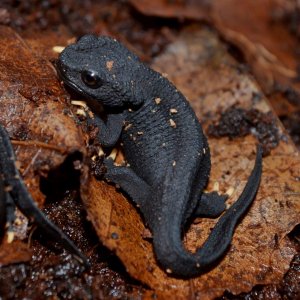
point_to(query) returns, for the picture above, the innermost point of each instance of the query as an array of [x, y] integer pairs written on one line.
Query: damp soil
[[237, 122], [54, 273]]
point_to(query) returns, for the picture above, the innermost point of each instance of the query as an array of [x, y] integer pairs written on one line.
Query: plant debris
[[238, 122]]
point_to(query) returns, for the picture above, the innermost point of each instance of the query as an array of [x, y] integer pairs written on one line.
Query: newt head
[[102, 69]]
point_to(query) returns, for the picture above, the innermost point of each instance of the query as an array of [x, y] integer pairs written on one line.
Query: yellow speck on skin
[[172, 123], [157, 100], [173, 111], [127, 127], [109, 65]]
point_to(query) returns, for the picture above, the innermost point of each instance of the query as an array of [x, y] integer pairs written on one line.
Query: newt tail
[[168, 246]]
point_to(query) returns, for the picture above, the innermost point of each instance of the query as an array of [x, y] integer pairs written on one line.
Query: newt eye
[[91, 79]]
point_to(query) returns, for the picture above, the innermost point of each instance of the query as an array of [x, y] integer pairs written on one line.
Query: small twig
[[31, 163], [30, 236], [39, 144]]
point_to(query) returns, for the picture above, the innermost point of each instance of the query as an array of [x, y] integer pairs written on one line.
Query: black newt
[[167, 153]]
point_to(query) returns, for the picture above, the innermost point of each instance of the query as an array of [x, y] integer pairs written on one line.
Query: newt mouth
[[73, 86], [77, 90]]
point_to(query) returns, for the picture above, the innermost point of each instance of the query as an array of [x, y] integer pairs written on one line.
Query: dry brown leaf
[[13, 253], [200, 67], [267, 45], [182, 9], [34, 112], [264, 37]]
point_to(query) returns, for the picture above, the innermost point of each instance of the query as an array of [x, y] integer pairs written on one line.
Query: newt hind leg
[[211, 205]]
